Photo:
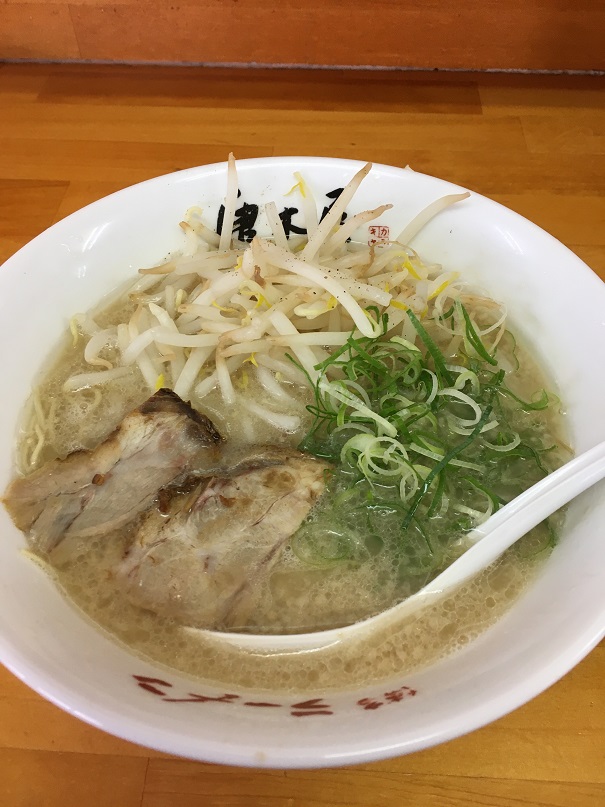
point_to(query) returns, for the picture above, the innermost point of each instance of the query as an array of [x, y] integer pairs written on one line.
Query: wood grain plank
[[576, 133], [171, 783], [121, 162], [78, 2], [265, 89], [514, 95], [13, 688], [47, 779], [311, 131], [37, 31], [19, 83], [481, 172], [39, 202], [530, 33], [541, 753]]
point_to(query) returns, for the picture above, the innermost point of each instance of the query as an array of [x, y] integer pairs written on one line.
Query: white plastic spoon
[[488, 542]]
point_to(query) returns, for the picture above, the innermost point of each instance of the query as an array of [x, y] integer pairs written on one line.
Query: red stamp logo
[[377, 234]]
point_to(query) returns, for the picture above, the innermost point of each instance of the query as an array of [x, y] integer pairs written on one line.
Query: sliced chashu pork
[[201, 561], [90, 493]]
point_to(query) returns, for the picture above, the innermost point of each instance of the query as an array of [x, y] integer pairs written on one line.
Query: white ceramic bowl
[[556, 302]]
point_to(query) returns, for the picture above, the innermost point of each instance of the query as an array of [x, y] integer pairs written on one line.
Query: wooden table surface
[[71, 134]]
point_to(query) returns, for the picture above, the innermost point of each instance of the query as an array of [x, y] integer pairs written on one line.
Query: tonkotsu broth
[[416, 386], [324, 597]]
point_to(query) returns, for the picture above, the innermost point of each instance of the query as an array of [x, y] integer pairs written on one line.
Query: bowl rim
[[135, 729]]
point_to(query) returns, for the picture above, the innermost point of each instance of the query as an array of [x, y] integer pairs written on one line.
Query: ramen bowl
[[556, 304]]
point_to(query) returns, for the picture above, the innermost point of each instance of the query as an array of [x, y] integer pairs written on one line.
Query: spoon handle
[[521, 515]]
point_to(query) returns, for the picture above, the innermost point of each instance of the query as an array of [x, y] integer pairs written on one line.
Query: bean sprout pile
[[221, 303]]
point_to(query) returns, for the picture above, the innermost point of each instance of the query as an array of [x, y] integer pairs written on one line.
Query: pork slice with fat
[[201, 561], [91, 493]]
